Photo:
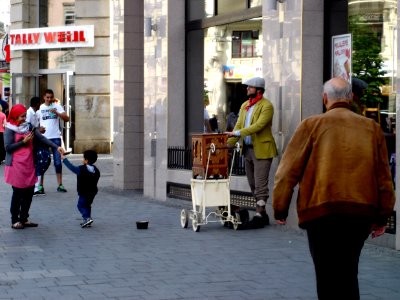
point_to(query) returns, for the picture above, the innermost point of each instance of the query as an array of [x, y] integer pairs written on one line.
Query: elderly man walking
[[340, 161]]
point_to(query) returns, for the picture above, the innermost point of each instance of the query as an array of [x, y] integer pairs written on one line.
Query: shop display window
[[372, 25]]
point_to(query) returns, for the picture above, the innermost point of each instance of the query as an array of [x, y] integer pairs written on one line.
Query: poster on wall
[[341, 56]]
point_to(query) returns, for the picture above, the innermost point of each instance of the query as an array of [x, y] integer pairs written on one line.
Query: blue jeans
[[85, 206], [56, 155]]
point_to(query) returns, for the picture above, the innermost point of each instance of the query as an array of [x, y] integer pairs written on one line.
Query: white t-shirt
[[50, 120], [32, 117]]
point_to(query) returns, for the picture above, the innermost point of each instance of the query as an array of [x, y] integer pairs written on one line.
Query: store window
[[373, 27], [62, 13], [254, 3], [69, 13], [244, 43], [223, 47], [223, 7], [229, 6], [232, 53]]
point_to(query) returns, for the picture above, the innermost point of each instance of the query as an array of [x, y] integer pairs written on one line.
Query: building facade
[[139, 90]]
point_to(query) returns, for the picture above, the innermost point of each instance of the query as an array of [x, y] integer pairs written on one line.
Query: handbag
[[42, 159]]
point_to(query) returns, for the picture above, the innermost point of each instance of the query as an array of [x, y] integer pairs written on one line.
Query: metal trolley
[[207, 193]]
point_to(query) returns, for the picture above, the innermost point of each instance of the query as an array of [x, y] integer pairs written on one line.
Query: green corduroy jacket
[[259, 129]]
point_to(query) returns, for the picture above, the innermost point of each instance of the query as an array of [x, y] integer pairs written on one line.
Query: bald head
[[337, 90]]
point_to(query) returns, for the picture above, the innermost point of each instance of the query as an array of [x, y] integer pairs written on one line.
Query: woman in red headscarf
[[19, 169]]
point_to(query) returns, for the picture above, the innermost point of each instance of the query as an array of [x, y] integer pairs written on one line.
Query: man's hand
[[54, 111], [42, 129], [281, 222]]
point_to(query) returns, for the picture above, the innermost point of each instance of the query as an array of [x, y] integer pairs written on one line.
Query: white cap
[[261, 203], [257, 82]]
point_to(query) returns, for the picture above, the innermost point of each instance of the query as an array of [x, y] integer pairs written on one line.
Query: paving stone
[[113, 260]]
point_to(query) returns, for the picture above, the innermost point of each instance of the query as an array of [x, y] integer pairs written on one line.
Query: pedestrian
[[3, 121], [253, 128], [31, 114], [4, 105], [340, 161], [41, 151], [50, 114], [19, 169], [207, 125], [87, 178]]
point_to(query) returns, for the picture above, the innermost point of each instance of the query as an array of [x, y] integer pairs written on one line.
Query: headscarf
[[15, 112]]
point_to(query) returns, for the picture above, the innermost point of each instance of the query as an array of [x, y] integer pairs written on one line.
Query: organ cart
[[210, 182]]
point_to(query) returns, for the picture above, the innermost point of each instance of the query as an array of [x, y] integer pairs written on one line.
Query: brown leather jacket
[[341, 163]]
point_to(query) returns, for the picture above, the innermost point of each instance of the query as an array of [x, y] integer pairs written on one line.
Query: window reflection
[[373, 28], [232, 53], [228, 6], [54, 13], [254, 3]]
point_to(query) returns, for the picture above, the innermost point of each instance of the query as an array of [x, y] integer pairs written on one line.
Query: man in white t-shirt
[[31, 115], [49, 114]]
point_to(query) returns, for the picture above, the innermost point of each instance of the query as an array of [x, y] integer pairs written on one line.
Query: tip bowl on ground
[[142, 224]]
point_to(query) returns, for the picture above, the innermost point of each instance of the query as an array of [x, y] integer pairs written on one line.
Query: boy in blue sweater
[[87, 178]]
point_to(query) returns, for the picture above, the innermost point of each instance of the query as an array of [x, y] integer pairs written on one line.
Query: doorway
[[24, 86]]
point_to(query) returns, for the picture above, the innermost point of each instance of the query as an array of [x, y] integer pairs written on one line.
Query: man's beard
[[253, 95]]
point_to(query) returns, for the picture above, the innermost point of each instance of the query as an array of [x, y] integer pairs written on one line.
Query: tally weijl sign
[[52, 37]]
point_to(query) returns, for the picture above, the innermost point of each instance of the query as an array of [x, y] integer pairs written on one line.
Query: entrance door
[[26, 85]]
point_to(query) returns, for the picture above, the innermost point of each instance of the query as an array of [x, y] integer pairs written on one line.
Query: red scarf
[[253, 101]]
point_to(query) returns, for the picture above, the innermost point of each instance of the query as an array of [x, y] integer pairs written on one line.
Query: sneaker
[[86, 222], [39, 191], [61, 189]]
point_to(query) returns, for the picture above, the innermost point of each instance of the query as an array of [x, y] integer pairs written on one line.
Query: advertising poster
[[341, 56]]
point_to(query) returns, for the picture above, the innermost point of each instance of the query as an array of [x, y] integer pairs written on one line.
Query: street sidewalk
[[114, 260]]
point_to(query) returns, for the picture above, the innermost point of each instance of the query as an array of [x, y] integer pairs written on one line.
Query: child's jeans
[[85, 206]]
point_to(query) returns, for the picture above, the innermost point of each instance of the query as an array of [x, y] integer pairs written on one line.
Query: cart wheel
[[223, 217], [184, 218], [195, 221], [236, 221]]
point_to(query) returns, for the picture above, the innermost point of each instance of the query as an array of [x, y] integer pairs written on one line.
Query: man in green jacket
[[340, 161], [253, 128]]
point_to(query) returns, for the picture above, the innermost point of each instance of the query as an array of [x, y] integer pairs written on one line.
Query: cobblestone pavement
[[114, 260]]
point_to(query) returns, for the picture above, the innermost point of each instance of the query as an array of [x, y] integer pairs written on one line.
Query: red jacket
[[341, 163]]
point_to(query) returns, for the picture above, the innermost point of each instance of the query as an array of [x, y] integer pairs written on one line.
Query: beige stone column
[[92, 80]]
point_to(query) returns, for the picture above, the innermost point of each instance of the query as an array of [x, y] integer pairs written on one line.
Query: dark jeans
[[85, 206], [335, 244], [20, 204]]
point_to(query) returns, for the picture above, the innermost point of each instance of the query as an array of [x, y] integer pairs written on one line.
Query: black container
[[142, 224]]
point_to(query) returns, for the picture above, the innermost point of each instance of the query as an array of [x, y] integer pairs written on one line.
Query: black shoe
[[61, 189], [86, 222], [39, 192]]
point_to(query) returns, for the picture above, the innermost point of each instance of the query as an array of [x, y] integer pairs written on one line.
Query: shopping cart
[[211, 193]]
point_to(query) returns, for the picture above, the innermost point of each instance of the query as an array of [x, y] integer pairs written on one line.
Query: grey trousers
[[257, 172]]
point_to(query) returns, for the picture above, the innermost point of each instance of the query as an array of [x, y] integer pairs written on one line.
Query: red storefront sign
[[52, 37]]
